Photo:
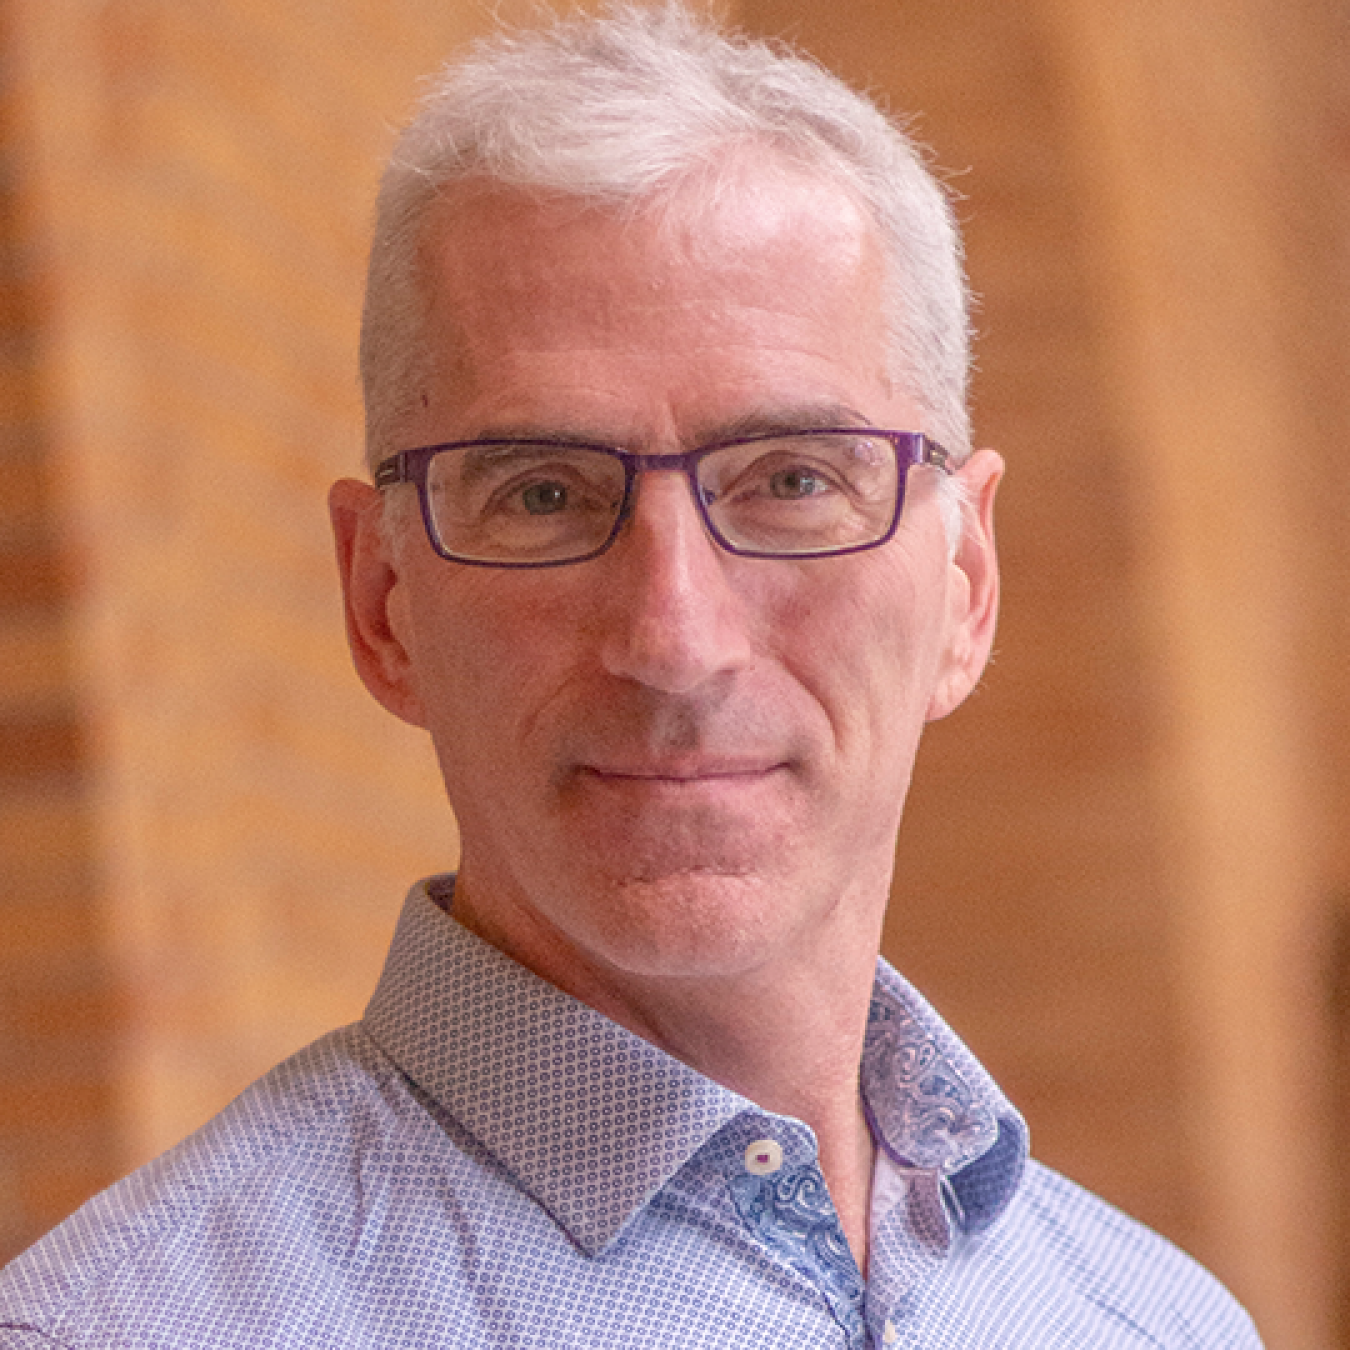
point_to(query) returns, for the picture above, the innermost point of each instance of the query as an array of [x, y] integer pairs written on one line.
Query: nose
[[673, 620]]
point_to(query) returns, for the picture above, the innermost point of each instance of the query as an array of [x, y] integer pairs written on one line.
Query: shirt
[[483, 1161]]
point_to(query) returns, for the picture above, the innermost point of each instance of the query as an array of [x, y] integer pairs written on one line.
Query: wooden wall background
[[1125, 874]]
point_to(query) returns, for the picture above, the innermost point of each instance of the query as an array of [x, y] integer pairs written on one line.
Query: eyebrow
[[774, 421], [766, 421]]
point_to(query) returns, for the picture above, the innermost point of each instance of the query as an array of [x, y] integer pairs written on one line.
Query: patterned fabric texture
[[485, 1162]]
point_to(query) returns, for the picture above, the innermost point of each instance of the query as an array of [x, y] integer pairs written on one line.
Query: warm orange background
[[1124, 874]]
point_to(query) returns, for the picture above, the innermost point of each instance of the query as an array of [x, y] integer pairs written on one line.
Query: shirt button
[[889, 1334], [763, 1157]]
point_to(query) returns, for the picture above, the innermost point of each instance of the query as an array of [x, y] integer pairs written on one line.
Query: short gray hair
[[614, 109]]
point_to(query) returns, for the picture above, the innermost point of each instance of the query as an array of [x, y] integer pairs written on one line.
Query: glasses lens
[[521, 502], [802, 494]]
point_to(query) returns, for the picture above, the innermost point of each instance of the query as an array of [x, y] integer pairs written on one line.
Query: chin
[[695, 924]]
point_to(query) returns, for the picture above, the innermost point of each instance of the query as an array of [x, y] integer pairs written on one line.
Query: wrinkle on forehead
[[718, 225]]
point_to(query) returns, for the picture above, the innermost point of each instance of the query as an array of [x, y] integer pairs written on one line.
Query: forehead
[[762, 276]]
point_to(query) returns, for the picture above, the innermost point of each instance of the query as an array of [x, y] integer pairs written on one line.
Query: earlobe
[[374, 599], [972, 588]]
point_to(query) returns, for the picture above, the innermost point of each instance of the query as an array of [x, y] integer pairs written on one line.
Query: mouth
[[680, 775]]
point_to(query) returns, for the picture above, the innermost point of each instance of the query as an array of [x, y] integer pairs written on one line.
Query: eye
[[793, 484], [543, 499]]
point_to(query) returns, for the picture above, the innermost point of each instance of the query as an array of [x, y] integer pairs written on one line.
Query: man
[[676, 543]]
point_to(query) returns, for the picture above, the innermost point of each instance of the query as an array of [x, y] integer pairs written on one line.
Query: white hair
[[616, 109]]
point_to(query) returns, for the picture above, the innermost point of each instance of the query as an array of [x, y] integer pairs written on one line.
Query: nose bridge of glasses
[[680, 462], [684, 463], [639, 466], [667, 512]]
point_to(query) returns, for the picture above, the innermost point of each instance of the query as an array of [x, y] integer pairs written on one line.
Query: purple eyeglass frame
[[911, 448]]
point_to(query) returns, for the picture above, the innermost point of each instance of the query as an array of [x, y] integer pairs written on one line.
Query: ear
[[374, 598], [972, 591]]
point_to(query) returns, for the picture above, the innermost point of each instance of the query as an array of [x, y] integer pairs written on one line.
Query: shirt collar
[[933, 1106], [592, 1120]]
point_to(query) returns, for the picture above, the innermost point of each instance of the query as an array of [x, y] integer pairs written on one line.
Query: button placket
[[778, 1190]]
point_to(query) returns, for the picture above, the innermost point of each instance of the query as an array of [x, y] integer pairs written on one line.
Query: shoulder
[[1132, 1274], [291, 1146]]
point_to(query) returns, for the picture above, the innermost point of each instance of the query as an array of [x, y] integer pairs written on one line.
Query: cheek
[[880, 628], [868, 654], [489, 650]]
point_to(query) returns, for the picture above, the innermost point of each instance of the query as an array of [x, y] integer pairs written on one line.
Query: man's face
[[669, 761]]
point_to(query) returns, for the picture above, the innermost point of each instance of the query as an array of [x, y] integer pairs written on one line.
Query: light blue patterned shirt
[[485, 1162]]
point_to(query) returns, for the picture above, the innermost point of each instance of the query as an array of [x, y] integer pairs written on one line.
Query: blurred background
[[1125, 871]]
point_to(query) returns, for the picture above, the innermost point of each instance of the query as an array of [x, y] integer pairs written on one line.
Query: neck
[[794, 1052], [786, 1035]]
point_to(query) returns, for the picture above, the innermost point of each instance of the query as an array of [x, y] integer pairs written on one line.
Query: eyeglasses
[[543, 503]]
